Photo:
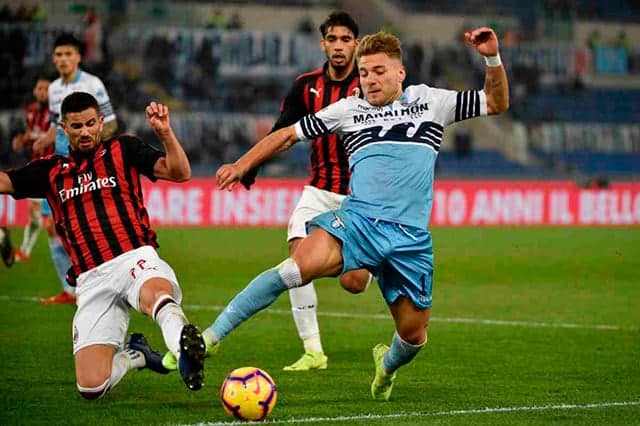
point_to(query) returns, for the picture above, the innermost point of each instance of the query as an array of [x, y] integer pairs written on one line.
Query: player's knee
[[356, 281], [413, 335], [352, 284], [91, 388]]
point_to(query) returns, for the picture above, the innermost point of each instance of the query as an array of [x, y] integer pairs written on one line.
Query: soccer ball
[[248, 393]]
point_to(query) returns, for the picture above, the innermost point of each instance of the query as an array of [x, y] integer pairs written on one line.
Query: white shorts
[[105, 294], [313, 202]]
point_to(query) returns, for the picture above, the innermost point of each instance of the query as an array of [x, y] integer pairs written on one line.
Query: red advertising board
[[456, 203]]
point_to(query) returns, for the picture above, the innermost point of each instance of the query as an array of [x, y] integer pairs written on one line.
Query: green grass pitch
[[530, 326]]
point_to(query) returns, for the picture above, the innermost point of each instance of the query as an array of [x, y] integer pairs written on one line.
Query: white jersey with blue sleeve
[[83, 82], [392, 149]]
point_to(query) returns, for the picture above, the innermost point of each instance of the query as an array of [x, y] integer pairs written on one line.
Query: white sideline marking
[[487, 410], [481, 321]]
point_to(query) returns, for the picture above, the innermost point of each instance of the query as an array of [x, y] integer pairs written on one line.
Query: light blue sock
[[61, 262], [260, 293], [399, 354]]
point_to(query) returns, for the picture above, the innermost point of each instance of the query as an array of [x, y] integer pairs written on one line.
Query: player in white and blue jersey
[[66, 58], [392, 139]]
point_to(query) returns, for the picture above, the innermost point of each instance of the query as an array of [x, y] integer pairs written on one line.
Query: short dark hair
[[68, 39], [339, 19], [78, 102]]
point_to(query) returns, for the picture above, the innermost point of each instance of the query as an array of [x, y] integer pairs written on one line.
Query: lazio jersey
[[83, 82], [392, 149]]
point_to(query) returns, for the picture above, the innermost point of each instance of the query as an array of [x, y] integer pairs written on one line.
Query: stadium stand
[[225, 77]]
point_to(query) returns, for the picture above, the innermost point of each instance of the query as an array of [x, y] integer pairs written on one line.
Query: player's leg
[[31, 232], [99, 368], [410, 337], [99, 327], [405, 280], [319, 255], [7, 252], [154, 291], [304, 299], [60, 259]]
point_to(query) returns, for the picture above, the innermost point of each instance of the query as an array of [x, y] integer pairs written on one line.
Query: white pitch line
[[479, 321], [487, 410]]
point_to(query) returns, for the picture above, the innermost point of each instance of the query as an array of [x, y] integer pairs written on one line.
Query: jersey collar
[[76, 78]]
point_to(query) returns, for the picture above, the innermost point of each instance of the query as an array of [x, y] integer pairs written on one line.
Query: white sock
[[171, 319], [30, 236], [303, 307]]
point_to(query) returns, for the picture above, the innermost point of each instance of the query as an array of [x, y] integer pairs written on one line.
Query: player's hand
[[39, 146], [17, 143], [158, 117], [484, 39], [227, 176]]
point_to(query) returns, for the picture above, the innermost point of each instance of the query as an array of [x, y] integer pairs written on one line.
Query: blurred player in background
[[7, 252], [36, 124], [66, 58], [329, 180], [98, 209], [392, 139]]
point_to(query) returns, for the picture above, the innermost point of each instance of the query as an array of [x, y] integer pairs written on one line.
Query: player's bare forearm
[[496, 87], [109, 130], [45, 140], [6, 186], [175, 165], [266, 148]]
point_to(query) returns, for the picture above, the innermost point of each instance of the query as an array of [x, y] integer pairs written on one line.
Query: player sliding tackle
[[99, 213], [392, 139]]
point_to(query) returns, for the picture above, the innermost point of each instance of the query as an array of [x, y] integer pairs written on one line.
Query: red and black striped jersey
[[37, 123], [96, 198], [310, 93]]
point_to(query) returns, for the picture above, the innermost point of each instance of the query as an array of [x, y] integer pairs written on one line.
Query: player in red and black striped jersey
[[36, 124], [329, 180], [99, 213]]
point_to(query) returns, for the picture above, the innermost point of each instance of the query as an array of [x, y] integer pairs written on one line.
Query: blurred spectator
[[306, 25], [510, 37], [414, 60], [594, 40], [235, 22], [217, 20], [92, 39], [390, 28], [622, 41]]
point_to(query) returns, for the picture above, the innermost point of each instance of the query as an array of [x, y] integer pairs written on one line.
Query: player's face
[[339, 44], [41, 91], [83, 129], [381, 78], [66, 59]]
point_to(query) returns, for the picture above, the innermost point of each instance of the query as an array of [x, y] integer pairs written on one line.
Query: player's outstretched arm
[[6, 186], [175, 165], [496, 86], [275, 142]]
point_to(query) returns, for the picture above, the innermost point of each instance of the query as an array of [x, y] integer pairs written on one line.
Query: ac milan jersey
[[37, 124], [96, 198], [392, 149], [310, 93]]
